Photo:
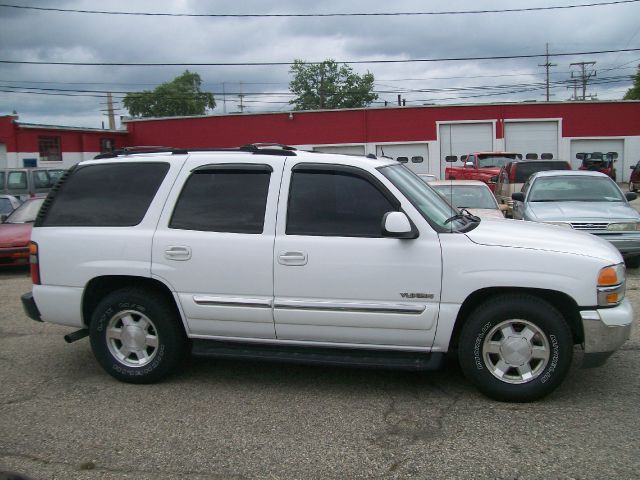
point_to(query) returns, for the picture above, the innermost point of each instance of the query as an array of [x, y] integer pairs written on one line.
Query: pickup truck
[[483, 166], [273, 254]]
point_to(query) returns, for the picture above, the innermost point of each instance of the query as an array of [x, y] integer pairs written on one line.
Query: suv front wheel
[[136, 336]]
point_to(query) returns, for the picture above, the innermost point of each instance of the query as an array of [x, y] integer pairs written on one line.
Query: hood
[[532, 235], [15, 234], [579, 211]]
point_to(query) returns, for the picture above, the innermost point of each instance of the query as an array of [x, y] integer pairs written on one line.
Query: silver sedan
[[587, 201]]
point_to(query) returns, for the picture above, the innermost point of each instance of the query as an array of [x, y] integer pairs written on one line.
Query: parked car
[[483, 166], [513, 175], [15, 233], [587, 201], [634, 179], [427, 177], [277, 254], [8, 203], [27, 183], [472, 195], [599, 162]]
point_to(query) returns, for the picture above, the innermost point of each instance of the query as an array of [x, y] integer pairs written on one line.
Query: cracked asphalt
[[62, 417]]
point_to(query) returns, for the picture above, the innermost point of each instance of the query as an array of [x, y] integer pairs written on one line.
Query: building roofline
[[390, 107], [39, 126]]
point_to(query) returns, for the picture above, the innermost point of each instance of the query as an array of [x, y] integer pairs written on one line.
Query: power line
[[312, 15], [350, 62]]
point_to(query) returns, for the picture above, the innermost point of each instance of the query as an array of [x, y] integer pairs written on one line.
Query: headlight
[[624, 227], [611, 285], [560, 224]]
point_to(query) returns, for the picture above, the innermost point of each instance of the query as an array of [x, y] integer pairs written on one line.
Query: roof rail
[[255, 148]]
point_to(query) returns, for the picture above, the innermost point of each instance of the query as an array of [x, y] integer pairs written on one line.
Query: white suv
[[277, 254]]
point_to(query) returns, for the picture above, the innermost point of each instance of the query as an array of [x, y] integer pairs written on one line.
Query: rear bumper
[[605, 330], [14, 256], [30, 307]]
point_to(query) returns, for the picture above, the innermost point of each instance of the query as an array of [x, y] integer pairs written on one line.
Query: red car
[[15, 233], [599, 162], [634, 180]]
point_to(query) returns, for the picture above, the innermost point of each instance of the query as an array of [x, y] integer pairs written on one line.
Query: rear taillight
[[33, 263]]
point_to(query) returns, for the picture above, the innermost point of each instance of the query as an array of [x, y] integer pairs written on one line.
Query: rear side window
[[1, 181], [525, 169], [41, 179], [326, 203], [17, 181], [110, 195], [223, 200]]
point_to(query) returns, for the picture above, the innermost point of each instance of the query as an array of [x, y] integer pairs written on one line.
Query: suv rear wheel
[[136, 336], [516, 348]]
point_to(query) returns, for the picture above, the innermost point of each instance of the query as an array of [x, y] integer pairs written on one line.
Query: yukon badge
[[417, 295]]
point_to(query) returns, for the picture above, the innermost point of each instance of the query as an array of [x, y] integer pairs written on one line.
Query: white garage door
[[531, 137], [602, 145], [413, 155], [463, 138], [344, 149]]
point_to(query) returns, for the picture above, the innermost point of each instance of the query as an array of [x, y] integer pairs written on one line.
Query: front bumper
[[30, 307], [627, 244], [605, 330]]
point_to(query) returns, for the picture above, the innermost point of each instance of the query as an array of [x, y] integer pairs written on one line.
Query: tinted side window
[[1, 181], [327, 203], [40, 179], [223, 201], [111, 195]]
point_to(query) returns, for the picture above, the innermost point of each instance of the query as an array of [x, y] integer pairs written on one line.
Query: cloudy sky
[[74, 95]]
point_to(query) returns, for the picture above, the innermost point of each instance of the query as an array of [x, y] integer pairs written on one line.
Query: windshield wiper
[[464, 214]]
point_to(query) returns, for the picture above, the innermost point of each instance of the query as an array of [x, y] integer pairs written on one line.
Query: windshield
[[467, 196], [575, 188], [430, 204], [26, 213], [488, 161]]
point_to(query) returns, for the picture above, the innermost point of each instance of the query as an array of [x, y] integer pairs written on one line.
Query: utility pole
[[547, 65], [584, 76], [575, 89], [110, 111], [224, 100], [241, 95]]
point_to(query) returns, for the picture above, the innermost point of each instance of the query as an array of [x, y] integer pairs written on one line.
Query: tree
[[181, 96], [634, 92], [328, 85]]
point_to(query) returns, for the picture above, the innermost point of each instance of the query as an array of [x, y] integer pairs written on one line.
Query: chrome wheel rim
[[132, 338], [516, 351]]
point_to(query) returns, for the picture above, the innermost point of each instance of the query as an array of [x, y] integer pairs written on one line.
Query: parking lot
[[62, 417]]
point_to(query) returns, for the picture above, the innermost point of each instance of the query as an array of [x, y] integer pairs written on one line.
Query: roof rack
[[255, 148]]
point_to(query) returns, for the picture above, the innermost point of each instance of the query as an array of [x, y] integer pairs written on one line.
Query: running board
[[318, 356]]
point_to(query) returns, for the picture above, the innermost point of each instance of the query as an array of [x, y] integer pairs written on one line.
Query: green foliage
[[179, 97], [328, 85], [634, 92]]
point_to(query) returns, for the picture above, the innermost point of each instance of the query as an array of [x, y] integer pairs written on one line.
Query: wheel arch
[[97, 288], [566, 305]]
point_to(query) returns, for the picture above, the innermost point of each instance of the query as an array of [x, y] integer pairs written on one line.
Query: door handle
[[292, 258], [179, 253]]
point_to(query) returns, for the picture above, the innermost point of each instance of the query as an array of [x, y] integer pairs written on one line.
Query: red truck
[[483, 166]]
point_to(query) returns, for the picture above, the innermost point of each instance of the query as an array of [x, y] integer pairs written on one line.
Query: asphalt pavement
[[62, 417]]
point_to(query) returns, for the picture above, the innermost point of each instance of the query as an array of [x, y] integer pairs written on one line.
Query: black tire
[[482, 334], [148, 327]]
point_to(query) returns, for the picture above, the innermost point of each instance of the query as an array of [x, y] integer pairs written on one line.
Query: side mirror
[[612, 155], [451, 158], [517, 197], [493, 179], [3, 217], [631, 196], [581, 156], [397, 225]]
